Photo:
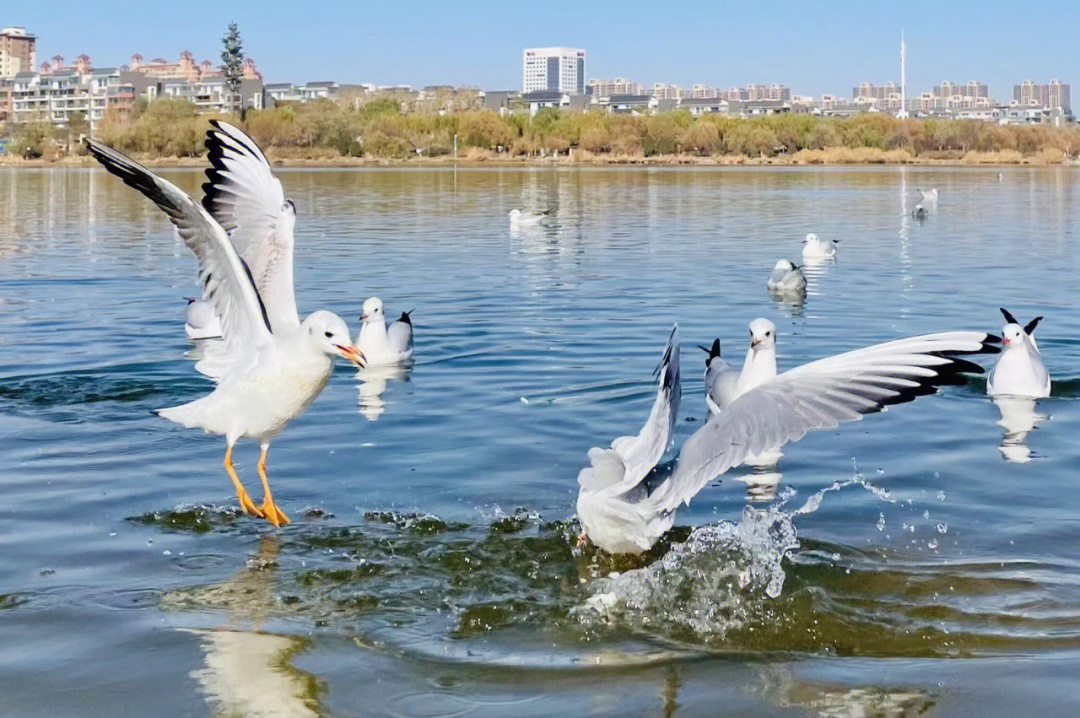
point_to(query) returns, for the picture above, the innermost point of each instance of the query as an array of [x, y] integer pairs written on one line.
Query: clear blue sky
[[813, 47]]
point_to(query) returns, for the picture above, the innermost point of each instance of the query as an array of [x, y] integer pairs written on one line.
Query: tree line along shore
[[327, 132]]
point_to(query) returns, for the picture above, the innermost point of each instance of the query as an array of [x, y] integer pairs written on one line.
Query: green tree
[[232, 60]]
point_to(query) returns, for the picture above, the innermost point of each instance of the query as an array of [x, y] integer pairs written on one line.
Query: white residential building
[[553, 68]]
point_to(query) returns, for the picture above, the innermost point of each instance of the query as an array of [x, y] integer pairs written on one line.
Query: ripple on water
[[416, 583]]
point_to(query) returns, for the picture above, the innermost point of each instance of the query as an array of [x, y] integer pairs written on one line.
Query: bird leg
[[581, 539], [270, 510], [246, 503]]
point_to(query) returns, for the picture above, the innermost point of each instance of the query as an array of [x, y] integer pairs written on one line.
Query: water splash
[[719, 580]]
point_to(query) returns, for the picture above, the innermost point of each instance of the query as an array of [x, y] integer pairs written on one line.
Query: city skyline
[[814, 51]]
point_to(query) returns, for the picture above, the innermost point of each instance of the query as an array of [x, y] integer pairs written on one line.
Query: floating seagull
[[720, 379], [527, 218], [818, 395], [919, 212], [816, 248], [382, 345], [786, 278], [1019, 370], [929, 196], [201, 322], [267, 375], [612, 497]]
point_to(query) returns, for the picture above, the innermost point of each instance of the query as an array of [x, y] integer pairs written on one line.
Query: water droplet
[[881, 522], [933, 544], [166, 552], [942, 528], [941, 496]]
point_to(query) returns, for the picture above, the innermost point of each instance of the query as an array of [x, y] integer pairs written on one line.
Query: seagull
[[816, 248], [818, 395], [611, 505], [786, 278], [268, 374], [201, 322], [527, 218], [381, 344], [919, 212], [1019, 370], [929, 196], [720, 379]]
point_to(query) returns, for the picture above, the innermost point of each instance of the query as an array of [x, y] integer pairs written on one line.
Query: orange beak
[[351, 353]]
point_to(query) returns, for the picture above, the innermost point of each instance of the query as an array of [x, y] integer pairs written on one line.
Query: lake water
[[429, 569]]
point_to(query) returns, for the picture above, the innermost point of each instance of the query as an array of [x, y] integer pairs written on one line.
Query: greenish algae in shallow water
[[746, 587]]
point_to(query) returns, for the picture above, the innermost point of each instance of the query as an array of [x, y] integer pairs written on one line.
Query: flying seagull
[[267, 373]]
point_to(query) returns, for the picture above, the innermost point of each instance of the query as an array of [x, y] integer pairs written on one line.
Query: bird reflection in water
[[1018, 418], [246, 671], [373, 382], [838, 700]]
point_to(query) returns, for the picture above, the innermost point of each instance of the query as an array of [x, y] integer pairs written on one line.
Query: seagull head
[[1012, 335], [327, 332], [811, 239], [515, 213], [783, 265], [373, 311], [762, 334]]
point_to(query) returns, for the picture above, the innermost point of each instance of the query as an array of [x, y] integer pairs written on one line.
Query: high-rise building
[[1051, 96], [17, 51], [662, 91], [553, 68]]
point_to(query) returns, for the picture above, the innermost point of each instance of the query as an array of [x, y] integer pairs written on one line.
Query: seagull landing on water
[[201, 322], [815, 248], [612, 497], [624, 510], [1020, 370], [786, 278], [380, 344], [527, 218], [271, 366]]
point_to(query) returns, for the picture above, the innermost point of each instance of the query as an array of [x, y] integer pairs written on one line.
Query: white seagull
[[725, 383], [201, 322], [929, 197], [527, 218], [814, 248], [786, 278], [611, 499], [380, 344], [1019, 370], [818, 395], [267, 375]]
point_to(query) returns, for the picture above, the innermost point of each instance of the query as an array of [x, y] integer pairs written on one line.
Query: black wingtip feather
[[1008, 316], [407, 317], [1029, 328]]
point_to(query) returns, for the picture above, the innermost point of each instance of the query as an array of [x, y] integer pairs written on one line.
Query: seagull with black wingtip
[[1020, 370], [270, 365]]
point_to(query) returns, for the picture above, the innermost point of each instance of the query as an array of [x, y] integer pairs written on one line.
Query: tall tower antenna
[[903, 113]]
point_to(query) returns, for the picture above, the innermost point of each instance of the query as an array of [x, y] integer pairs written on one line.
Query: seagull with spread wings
[[773, 412], [270, 366]]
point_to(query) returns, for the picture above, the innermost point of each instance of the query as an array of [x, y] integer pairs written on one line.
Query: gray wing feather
[[817, 395]]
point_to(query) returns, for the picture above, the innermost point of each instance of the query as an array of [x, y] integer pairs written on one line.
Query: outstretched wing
[[818, 395], [227, 283], [247, 200], [637, 455]]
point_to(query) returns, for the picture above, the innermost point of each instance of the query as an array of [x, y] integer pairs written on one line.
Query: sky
[[813, 47]]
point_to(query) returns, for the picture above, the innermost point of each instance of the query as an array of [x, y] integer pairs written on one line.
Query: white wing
[[227, 283], [818, 395], [631, 458], [400, 334], [245, 198]]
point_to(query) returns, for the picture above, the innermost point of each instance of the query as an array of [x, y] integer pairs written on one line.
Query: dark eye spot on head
[[768, 334], [329, 334]]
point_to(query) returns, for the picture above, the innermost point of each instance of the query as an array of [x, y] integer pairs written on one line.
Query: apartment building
[[18, 50], [618, 86], [1051, 96]]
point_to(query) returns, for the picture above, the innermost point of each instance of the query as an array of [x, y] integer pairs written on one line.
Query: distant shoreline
[[803, 158]]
